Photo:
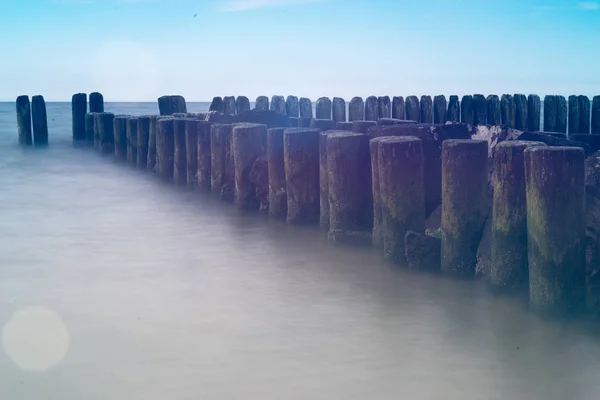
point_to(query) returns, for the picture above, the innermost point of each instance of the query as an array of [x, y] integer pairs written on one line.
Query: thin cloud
[[247, 5]]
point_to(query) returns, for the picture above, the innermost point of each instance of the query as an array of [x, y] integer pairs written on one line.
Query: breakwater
[[351, 177]]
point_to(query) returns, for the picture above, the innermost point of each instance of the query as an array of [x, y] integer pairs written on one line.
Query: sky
[[138, 50]]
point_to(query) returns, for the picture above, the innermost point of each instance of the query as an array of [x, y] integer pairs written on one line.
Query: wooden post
[[439, 109], [217, 104], [533, 112], [550, 113], [180, 156], [339, 110], [356, 109], [348, 181], [203, 144], [132, 140], [561, 114], [479, 110], [276, 165], [301, 155], [324, 208], [222, 170], [78, 111], [412, 108], [248, 142], [292, 107], [323, 108], [344, 126], [120, 133], [303, 123], [493, 110], [401, 187], [306, 110], [574, 114], [90, 120], [106, 132], [426, 110], [164, 105], [596, 115], [508, 110], [555, 185], [521, 109], [377, 235], [40, 121], [453, 112], [322, 124], [191, 151], [362, 126], [278, 105], [24, 121], [96, 131], [96, 102], [384, 107], [464, 204], [165, 148], [242, 104], [467, 113], [178, 104], [151, 163], [371, 108], [509, 220], [584, 114], [398, 110], [143, 138], [229, 105], [262, 103]]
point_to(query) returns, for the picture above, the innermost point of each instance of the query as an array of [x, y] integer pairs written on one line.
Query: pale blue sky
[[135, 50]]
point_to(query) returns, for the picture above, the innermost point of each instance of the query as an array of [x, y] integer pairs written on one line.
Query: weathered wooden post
[[242, 104], [248, 142], [204, 148], [349, 180], [96, 130], [301, 155], [217, 104], [479, 110], [509, 217], [533, 112], [596, 115], [323, 108], [303, 122], [120, 133], [493, 110], [96, 102], [401, 187], [143, 137], [324, 208], [132, 140], [412, 108], [180, 155], [344, 126], [151, 163], [306, 110], [439, 109], [521, 109], [339, 110], [164, 105], [178, 104], [191, 151], [362, 126], [508, 110], [550, 113], [165, 148], [555, 184], [278, 105], [384, 107], [584, 114], [467, 114], [322, 124], [222, 168], [561, 114], [398, 107], [24, 121], [40, 121], [377, 235], [356, 109], [464, 204], [106, 132], [228, 105], [262, 103], [276, 165], [574, 114], [78, 111], [292, 107], [371, 108], [453, 112], [426, 110]]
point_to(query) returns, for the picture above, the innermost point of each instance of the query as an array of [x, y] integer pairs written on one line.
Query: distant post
[[371, 108], [479, 110], [229, 105], [584, 114], [453, 112], [561, 114], [550, 111], [426, 106], [439, 109], [339, 109], [493, 107], [533, 112], [215, 105], [323, 108], [356, 109], [306, 110], [242, 104], [278, 105], [412, 108], [574, 114], [40, 121], [521, 109], [292, 107], [384, 107], [24, 121], [467, 114], [398, 107], [508, 110]]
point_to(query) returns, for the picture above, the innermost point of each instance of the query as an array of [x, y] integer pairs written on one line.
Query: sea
[[114, 285]]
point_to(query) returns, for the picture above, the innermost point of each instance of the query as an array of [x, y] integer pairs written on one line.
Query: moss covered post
[[555, 185], [464, 204], [509, 218], [301, 154]]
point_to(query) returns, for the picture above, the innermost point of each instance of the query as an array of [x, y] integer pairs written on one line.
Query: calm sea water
[[114, 286]]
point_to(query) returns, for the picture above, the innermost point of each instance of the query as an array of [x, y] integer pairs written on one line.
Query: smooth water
[[115, 286]]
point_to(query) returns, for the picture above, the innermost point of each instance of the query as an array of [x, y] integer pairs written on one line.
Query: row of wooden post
[[514, 111], [361, 188]]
